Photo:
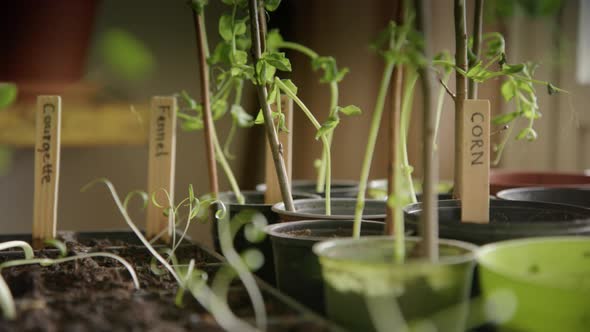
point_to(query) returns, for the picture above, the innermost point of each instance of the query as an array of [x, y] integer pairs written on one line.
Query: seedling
[[7, 301], [189, 278], [331, 76]]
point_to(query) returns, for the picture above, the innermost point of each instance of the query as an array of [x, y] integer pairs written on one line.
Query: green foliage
[[334, 119], [198, 5], [126, 55], [330, 69], [532, 8], [60, 246], [271, 5], [8, 92]]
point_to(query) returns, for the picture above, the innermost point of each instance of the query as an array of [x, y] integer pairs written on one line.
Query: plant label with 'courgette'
[[475, 185], [161, 164], [47, 148]]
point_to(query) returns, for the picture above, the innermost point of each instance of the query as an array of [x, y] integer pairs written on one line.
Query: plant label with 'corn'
[[161, 164], [47, 147], [273, 190], [475, 151]]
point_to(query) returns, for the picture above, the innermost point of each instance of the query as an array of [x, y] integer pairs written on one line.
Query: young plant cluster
[[231, 69]]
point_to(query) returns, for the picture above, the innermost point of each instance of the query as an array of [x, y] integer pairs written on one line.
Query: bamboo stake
[[461, 88], [203, 52], [161, 165], [394, 132], [271, 133], [477, 33], [273, 189], [429, 218], [47, 157]]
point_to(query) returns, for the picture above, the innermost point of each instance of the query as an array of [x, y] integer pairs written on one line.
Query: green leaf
[[239, 28], [512, 69], [259, 118], [218, 108], [252, 258], [350, 110], [241, 117], [225, 27], [126, 55], [221, 54], [328, 126], [273, 40], [264, 72], [290, 85], [272, 96], [271, 5], [505, 118], [8, 92], [529, 133], [239, 57], [277, 60], [508, 90]]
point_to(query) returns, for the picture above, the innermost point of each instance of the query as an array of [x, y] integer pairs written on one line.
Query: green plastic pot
[[540, 284], [366, 291]]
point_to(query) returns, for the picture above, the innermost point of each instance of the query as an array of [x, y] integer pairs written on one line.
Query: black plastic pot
[[297, 268], [508, 220], [342, 209], [569, 196], [340, 188], [254, 203]]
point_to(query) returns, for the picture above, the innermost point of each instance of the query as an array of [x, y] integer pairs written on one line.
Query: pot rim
[[540, 188], [280, 209], [515, 244], [257, 193], [274, 229], [497, 177], [344, 182], [470, 255], [410, 210]]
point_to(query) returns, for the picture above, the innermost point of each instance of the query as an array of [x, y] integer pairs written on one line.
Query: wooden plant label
[[161, 164], [273, 190], [475, 151], [47, 146]]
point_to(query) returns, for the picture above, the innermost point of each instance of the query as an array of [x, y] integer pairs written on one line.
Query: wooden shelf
[[83, 124]]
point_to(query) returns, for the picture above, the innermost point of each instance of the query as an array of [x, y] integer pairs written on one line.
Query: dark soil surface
[[98, 295]]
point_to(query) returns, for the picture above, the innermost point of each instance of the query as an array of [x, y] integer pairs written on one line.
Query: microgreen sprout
[[6, 299], [188, 276]]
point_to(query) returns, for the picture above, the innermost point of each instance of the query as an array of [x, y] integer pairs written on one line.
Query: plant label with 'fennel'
[[273, 190], [161, 164], [475, 151], [47, 148]]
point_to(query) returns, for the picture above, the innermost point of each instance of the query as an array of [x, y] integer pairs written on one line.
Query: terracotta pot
[[45, 41], [500, 180]]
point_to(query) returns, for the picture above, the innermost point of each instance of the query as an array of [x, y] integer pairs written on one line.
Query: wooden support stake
[[161, 164], [273, 190], [475, 152], [47, 146]]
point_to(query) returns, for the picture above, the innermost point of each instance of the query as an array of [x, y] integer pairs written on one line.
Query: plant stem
[[325, 142], [439, 107], [271, 133], [322, 171], [461, 88], [321, 182], [395, 215], [207, 118], [227, 169], [373, 131], [429, 219], [405, 117], [477, 32]]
